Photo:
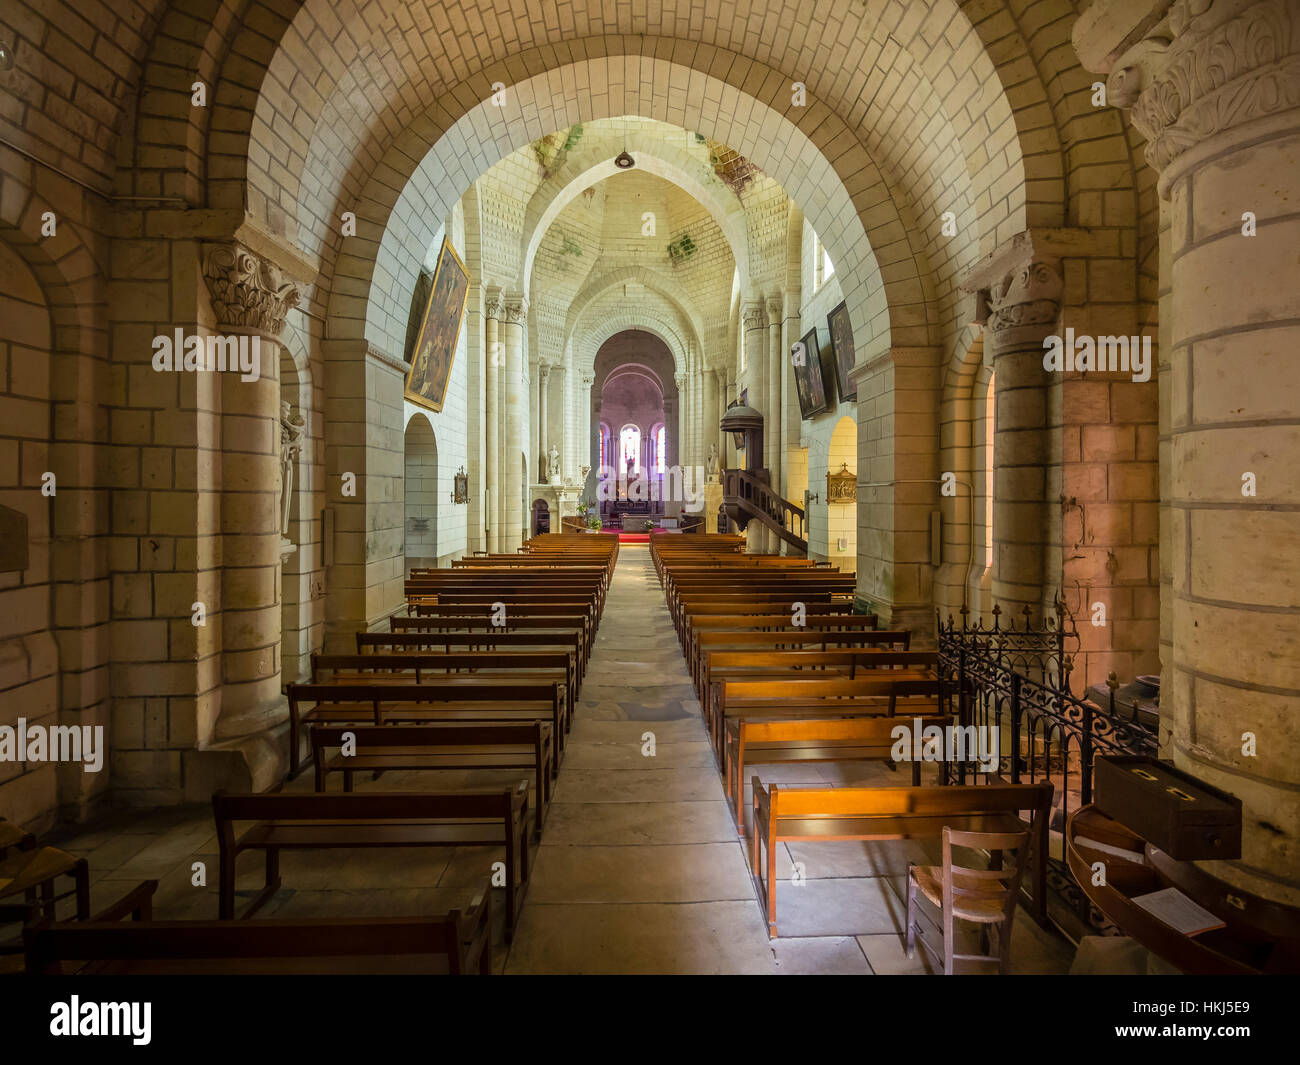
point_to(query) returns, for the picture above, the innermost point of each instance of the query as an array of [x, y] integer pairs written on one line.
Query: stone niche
[[13, 540]]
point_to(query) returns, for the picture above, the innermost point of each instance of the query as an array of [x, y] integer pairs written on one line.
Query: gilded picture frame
[[435, 347]]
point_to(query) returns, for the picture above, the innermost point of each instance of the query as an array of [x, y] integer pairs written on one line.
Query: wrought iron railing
[[1014, 679]]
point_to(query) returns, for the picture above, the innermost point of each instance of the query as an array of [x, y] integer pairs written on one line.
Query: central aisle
[[640, 869]]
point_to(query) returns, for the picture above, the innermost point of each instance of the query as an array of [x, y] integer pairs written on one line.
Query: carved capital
[[516, 310], [494, 307], [1028, 295], [1209, 66], [679, 380], [774, 310], [246, 289], [753, 316]]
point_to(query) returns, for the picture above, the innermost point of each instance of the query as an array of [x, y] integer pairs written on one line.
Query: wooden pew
[[454, 943], [421, 668], [495, 817], [819, 814], [818, 698], [848, 662], [452, 699], [411, 747], [845, 739], [409, 636], [462, 618], [705, 640]]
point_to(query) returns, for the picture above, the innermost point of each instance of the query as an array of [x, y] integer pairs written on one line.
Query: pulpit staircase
[[747, 496]]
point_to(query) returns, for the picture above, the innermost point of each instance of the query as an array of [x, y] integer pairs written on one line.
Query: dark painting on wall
[[426, 381], [842, 346], [811, 376]]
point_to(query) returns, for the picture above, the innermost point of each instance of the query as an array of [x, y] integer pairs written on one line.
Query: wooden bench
[[849, 739], [850, 662], [454, 943], [378, 749], [818, 698], [411, 636], [461, 618], [495, 817], [431, 667], [784, 815], [451, 699]]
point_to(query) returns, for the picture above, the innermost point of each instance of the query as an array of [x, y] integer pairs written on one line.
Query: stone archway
[[420, 494]]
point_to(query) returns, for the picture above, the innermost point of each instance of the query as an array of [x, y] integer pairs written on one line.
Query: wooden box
[[1186, 818]]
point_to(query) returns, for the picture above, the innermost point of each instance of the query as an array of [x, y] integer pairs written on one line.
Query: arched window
[[604, 452], [630, 449], [660, 439]]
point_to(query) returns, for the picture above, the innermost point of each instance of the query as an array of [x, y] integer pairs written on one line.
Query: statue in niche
[[293, 427], [553, 465], [711, 463]]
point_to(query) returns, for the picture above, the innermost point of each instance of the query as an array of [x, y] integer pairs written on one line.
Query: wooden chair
[[984, 896]]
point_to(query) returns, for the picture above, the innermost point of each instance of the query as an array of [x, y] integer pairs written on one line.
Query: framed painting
[[435, 348], [842, 347], [810, 378]]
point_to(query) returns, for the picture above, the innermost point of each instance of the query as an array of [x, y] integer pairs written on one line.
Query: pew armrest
[[136, 904]]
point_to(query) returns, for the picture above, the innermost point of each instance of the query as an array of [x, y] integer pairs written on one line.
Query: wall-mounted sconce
[[810, 498], [6, 56], [460, 487]]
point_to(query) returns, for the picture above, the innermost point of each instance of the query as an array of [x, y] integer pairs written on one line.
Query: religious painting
[[426, 381], [810, 377], [842, 346]]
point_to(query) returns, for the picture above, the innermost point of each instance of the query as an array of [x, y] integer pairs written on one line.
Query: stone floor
[[640, 868]]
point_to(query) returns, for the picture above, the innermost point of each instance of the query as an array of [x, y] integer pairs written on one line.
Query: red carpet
[[633, 538]]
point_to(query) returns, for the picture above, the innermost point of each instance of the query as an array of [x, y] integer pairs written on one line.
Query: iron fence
[[1014, 679]]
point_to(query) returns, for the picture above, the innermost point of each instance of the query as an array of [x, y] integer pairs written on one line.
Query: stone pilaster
[[516, 419], [773, 424], [494, 311], [543, 381], [250, 299], [1020, 301], [1214, 87]]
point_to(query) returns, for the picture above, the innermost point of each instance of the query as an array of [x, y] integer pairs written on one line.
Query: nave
[[639, 868]]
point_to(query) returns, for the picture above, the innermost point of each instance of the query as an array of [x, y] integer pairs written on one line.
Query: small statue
[[553, 465], [711, 463]]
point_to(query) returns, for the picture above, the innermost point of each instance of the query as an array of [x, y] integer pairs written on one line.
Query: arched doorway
[[421, 494], [541, 517], [634, 405], [841, 514]]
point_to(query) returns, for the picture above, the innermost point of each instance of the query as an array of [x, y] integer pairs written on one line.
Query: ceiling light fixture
[[624, 161]]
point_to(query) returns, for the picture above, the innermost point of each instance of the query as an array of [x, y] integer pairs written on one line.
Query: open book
[[1178, 911]]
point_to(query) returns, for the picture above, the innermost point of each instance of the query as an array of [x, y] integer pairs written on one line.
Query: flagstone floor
[[640, 868]]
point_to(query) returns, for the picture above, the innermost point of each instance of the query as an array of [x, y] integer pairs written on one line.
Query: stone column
[[710, 416], [683, 408], [250, 300], [590, 452], [754, 318], [494, 310], [1214, 88], [795, 466], [773, 437], [543, 379], [516, 415], [1022, 306]]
